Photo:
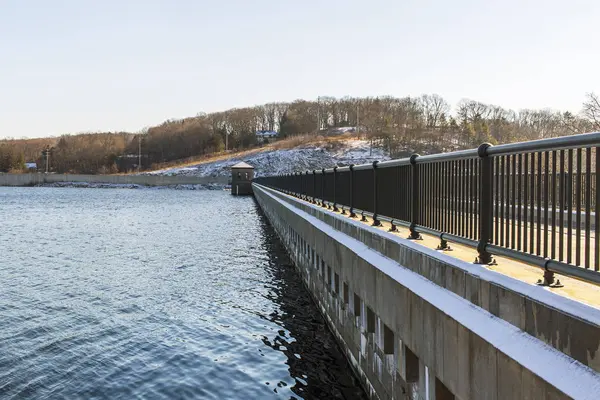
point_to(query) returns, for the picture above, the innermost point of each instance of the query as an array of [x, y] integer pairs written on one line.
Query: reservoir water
[[155, 293]]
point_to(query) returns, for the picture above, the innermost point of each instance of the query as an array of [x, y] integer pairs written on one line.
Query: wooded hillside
[[425, 124]]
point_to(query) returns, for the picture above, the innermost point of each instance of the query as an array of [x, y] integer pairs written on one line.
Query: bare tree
[[435, 109], [591, 110]]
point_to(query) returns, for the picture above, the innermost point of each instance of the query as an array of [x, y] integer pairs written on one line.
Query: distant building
[[267, 134], [241, 178], [129, 162], [30, 166]]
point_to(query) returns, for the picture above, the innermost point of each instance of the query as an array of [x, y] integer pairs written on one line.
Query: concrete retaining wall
[[147, 180], [416, 325]]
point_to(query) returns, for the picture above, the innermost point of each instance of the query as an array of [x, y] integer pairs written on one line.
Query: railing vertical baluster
[[436, 190], [458, 208], [463, 198], [352, 214], [588, 201], [323, 187], [422, 196], [431, 198], [507, 200], [525, 199], [561, 208], [513, 210], [532, 206], [502, 200], [400, 190], [415, 191], [476, 199], [472, 175], [376, 222], [449, 190], [553, 243], [486, 199], [304, 177], [546, 203], [496, 162], [427, 198], [569, 194], [440, 196], [424, 176], [314, 199], [455, 196], [539, 205], [335, 188], [578, 208], [597, 211], [444, 204], [519, 201], [343, 209]]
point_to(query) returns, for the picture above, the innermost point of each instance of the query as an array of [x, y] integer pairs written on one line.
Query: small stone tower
[[241, 179]]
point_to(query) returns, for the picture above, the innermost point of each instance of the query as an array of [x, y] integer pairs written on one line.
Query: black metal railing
[[534, 201]]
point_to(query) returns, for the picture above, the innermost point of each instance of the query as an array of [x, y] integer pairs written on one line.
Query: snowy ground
[[287, 161]]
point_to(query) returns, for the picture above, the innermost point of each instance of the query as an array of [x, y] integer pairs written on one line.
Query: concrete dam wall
[[146, 180], [418, 324]]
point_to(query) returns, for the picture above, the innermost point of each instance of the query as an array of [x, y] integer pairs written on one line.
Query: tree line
[[425, 124]]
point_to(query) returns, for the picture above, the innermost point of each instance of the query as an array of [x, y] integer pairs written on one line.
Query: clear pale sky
[[70, 66]]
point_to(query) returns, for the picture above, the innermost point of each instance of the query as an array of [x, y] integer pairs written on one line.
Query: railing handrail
[[556, 143]]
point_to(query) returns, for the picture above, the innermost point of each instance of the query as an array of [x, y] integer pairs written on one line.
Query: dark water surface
[[126, 294]]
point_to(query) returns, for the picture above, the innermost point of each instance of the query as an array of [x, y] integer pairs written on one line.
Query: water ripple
[[155, 294]]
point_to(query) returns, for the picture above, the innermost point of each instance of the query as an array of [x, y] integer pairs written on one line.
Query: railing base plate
[[480, 262], [549, 281]]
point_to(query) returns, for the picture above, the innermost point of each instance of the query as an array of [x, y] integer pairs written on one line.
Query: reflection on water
[[155, 294]]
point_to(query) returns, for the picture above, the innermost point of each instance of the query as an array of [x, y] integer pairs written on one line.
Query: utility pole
[[139, 153], [318, 114], [226, 140], [358, 119], [46, 154]]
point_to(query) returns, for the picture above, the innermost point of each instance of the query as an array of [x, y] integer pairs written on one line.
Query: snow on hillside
[[287, 161]]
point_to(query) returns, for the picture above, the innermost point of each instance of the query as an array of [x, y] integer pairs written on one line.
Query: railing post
[[352, 214], [486, 206], [343, 209], [306, 187], [323, 187], [376, 222], [314, 196], [335, 188], [414, 193]]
